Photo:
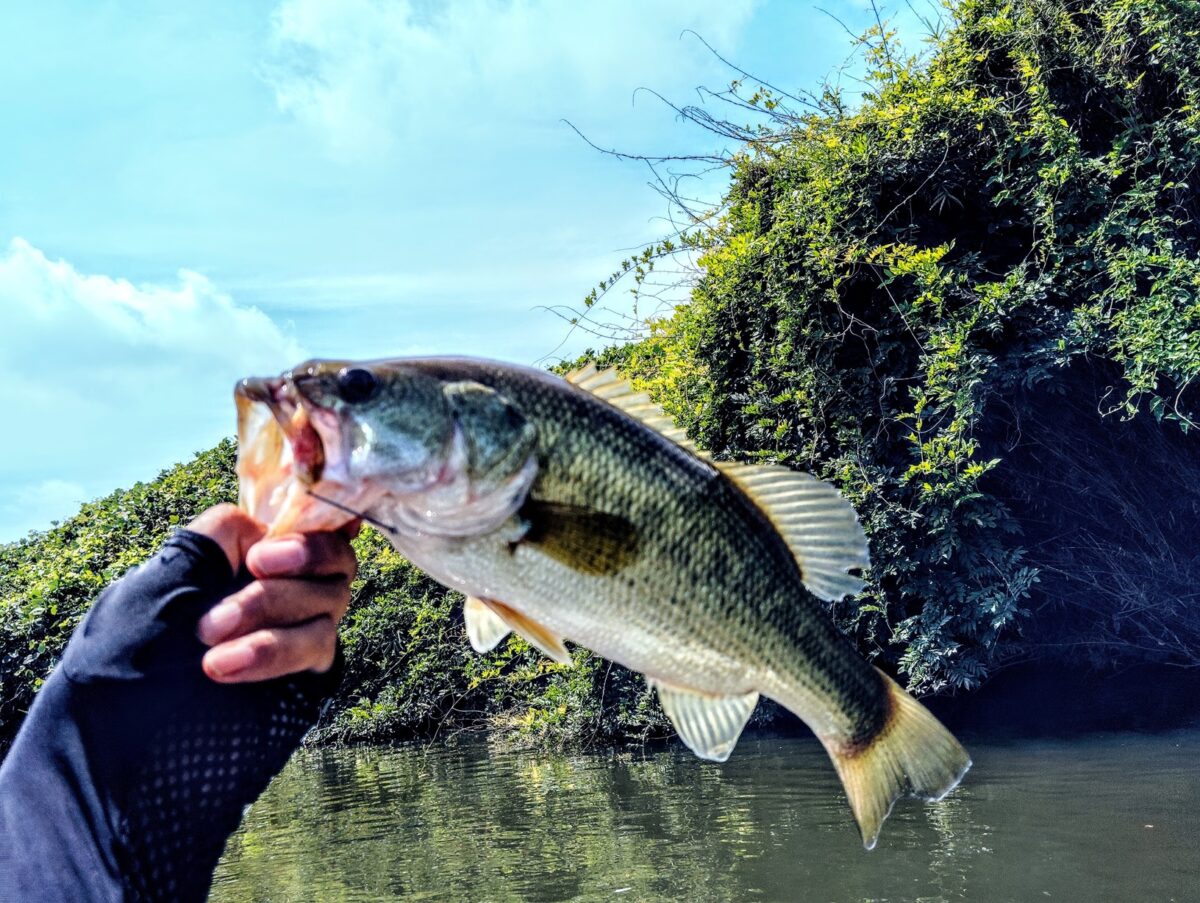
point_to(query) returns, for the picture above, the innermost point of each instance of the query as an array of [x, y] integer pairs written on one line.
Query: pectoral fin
[[500, 619], [592, 542], [709, 725], [485, 628]]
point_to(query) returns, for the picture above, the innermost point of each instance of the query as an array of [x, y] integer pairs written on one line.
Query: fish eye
[[356, 385]]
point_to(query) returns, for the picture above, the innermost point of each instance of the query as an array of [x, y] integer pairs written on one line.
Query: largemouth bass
[[574, 509]]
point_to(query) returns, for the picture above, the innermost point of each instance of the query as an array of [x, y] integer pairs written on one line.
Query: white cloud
[[104, 322], [103, 382], [368, 73]]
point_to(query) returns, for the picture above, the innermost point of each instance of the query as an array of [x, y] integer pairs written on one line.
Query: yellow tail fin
[[913, 755]]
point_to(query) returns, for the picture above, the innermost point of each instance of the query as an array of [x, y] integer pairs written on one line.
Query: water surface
[[1102, 817]]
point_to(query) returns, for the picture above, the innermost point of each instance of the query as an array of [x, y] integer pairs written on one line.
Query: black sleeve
[[132, 767]]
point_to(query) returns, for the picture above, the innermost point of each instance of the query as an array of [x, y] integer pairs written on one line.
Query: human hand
[[286, 620]]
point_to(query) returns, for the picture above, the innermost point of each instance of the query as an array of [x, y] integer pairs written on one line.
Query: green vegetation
[[48, 580], [970, 300]]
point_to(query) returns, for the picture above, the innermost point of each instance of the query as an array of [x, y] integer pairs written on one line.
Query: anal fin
[[534, 633], [708, 725], [485, 628]]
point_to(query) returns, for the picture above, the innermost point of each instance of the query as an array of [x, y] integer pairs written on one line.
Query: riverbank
[[1047, 700], [1023, 702]]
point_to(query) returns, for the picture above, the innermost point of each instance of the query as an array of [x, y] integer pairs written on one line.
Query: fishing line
[[370, 520]]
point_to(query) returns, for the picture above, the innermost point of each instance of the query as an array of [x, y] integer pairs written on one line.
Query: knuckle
[[342, 596], [326, 648], [266, 648], [228, 511], [229, 518], [327, 659], [253, 603], [318, 544], [232, 529], [334, 551], [351, 560]]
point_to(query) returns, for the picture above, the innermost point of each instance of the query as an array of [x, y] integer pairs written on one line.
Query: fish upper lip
[[283, 399], [259, 388], [279, 393]]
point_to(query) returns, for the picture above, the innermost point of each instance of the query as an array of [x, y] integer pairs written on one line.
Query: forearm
[[133, 767]]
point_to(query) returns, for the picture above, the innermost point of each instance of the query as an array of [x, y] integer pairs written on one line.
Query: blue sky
[[190, 193]]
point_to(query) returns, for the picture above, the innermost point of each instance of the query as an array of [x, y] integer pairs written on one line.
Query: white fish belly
[[607, 615]]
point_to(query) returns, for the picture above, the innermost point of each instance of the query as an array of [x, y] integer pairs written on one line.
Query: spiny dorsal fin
[[485, 628], [610, 386], [709, 725], [533, 632], [819, 526]]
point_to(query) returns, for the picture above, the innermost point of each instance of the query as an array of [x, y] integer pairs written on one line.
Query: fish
[[574, 509]]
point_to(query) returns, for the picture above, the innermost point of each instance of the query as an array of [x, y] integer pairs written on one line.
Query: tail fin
[[913, 755]]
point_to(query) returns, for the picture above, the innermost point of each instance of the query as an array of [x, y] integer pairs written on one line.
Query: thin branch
[[741, 71]]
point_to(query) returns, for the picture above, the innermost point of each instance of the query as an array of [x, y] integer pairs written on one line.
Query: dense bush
[[972, 302]]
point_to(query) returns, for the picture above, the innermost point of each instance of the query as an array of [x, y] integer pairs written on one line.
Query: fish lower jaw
[[416, 518], [323, 505]]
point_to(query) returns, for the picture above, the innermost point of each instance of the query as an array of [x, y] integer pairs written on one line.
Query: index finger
[[303, 554]]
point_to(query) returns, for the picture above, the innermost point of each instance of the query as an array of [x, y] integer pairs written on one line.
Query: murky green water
[[1104, 817]]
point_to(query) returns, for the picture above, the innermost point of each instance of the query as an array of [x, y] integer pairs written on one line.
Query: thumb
[[232, 529]]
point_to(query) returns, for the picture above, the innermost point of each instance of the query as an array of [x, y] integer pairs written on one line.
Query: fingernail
[[279, 557], [220, 622], [224, 662]]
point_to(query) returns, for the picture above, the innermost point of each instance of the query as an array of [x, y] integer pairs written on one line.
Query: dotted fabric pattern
[[199, 776], [133, 768]]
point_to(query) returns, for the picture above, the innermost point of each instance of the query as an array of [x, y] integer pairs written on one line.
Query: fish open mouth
[[280, 456]]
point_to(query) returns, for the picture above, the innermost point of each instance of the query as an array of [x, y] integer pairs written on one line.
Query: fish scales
[[575, 510], [719, 575]]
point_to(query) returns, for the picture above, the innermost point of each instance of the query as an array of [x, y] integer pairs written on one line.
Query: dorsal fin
[[610, 386], [818, 525]]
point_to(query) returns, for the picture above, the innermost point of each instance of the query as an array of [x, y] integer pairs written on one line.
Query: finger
[[351, 529], [306, 554], [278, 602], [266, 654], [233, 529]]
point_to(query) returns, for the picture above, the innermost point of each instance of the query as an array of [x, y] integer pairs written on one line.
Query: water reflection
[[1105, 817]]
